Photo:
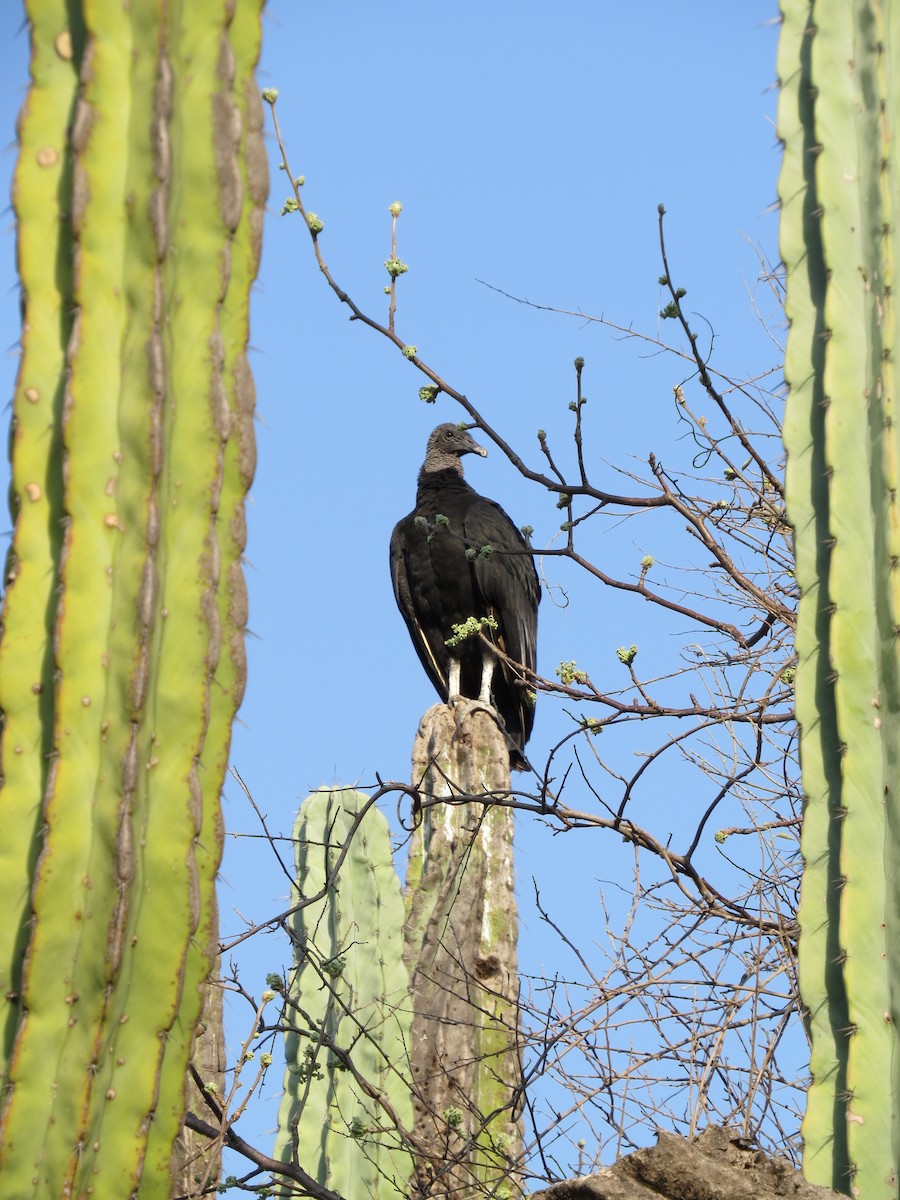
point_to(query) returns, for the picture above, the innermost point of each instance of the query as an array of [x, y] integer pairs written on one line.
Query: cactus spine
[[122, 659], [347, 1100], [839, 188]]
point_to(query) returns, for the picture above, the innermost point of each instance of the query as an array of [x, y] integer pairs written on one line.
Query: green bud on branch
[[469, 628], [568, 674]]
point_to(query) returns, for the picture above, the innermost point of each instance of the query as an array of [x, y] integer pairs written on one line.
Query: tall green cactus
[[347, 1082], [138, 191], [840, 189]]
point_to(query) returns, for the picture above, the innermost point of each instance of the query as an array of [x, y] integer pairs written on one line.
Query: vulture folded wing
[[407, 587], [506, 578]]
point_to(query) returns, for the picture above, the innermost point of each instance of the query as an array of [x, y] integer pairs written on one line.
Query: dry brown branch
[[679, 1008]]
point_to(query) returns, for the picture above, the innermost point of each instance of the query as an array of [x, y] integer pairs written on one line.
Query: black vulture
[[458, 555]]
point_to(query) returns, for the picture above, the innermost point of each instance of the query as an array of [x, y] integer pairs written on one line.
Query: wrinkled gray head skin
[[445, 447]]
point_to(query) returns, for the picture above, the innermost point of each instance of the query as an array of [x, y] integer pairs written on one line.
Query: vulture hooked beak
[[474, 448]]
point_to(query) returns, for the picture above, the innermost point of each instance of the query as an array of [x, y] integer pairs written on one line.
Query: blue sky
[[530, 146]]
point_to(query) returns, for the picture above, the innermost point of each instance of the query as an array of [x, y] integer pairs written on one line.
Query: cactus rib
[[43, 180]]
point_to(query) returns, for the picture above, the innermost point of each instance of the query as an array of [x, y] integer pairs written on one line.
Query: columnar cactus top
[[347, 1005]]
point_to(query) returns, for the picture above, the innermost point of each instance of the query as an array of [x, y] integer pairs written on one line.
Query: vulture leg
[[488, 662], [453, 681]]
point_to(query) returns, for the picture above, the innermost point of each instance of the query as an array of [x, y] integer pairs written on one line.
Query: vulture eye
[[448, 433]]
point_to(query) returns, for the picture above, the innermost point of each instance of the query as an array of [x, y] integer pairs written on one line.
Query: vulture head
[[446, 446]]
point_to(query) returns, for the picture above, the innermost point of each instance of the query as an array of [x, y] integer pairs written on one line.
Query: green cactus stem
[[347, 1105], [148, 461], [839, 186]]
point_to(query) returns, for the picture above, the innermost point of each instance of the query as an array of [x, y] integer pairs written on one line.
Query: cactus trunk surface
[[461, 936], [840, 191]]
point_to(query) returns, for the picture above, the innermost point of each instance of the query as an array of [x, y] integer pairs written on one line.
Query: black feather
[[458, 555]]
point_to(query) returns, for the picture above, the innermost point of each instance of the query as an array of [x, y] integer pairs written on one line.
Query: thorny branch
[[688, 1014]]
